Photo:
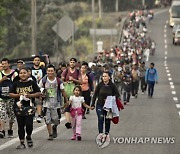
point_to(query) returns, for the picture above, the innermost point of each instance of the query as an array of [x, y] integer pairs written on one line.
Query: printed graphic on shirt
[[51, 92], [21, 90], [38, 74]]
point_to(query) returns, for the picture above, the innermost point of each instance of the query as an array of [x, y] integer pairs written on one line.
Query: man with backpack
[[151, 78], [52, 88], [6, 103], [71, 77]]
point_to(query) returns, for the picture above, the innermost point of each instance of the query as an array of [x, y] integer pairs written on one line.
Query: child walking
[[76, 112]]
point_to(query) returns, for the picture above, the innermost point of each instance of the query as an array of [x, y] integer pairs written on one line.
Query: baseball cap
[[20, 61]]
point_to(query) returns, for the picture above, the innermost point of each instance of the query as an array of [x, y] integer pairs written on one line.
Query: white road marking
[[165, 52], [166, 68], [165, 57], [168, 74], [175, 99], [178, 105], [167, 71], [169, 79], [172, 86], [165, 35], [171, 83], [165, 46], [165, 26], [167, 21], [174, 92], [164, 30], [13, 141]]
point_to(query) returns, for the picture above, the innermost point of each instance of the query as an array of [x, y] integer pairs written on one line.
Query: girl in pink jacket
[[76, 112]]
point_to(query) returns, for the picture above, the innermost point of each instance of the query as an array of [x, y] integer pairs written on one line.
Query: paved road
[[157, 117]]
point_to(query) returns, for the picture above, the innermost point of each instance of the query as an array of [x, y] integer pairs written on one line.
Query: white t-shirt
[[76, 101], [51, 93]]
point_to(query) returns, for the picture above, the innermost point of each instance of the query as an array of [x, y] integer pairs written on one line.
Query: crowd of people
[[75, 88]]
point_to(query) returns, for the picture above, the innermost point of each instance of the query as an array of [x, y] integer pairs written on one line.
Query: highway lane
[[157, 117]]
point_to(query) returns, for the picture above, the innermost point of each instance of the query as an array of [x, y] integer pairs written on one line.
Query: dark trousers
[[24, 121], [126, 96], [101, 113], [143, 84], [87, 98], [135, 87], [151, 88]]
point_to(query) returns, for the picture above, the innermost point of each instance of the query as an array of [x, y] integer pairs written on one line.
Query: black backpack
[[5, 86]]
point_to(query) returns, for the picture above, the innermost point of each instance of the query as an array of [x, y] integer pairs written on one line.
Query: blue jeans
[[101, 113], [151, 88]]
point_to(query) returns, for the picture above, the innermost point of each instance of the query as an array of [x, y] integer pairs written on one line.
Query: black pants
[[24, 121], [143, 84], [87, 98], [135, 87]]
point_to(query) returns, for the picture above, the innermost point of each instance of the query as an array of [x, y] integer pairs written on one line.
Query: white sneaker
[[34, 119], [38, 119]]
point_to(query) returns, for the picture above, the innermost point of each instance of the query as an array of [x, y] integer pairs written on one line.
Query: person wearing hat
[[20, 64]]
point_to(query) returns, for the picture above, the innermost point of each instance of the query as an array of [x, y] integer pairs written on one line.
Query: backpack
[[44, 80], [66, 72], [5, 86]]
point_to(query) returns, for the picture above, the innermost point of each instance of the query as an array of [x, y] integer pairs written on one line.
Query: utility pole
[[93, 22], [143, 3], [33, 27], [117, 5], [100, 9]]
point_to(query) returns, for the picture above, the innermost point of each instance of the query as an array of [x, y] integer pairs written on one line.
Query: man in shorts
[[7, 76], [53, 88]]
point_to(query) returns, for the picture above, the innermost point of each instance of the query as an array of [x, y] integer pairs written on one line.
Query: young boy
[[52, 87]]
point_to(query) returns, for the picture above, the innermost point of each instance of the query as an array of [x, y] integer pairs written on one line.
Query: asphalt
[[143, 117]]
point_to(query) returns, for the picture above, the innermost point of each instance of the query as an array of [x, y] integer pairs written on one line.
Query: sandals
[[29, 142]]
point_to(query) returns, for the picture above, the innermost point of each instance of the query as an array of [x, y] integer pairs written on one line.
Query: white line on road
[[167, 71], [165, 26], [175, 99], [165, 52], [166, 21], [168, 74], [169, 79], [165, 57], [13, 141], [172, 86], [166, 68], [178, 105], [164, 30], [174, 92], [171, 83], [165, 35]]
